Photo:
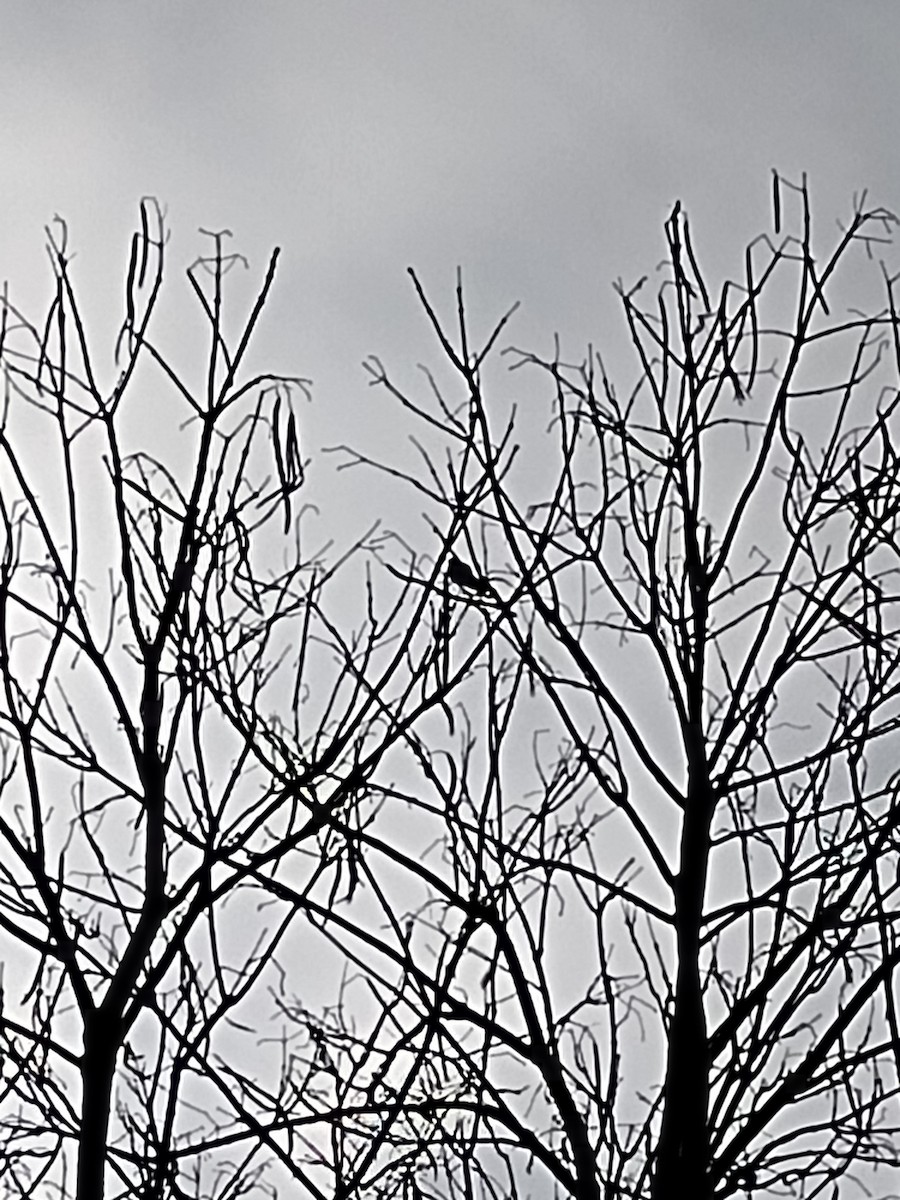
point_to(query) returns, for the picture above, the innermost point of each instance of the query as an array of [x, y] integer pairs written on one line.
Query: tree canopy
[[570, 868]]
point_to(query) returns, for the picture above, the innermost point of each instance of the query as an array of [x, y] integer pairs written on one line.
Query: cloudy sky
[[538, 143]]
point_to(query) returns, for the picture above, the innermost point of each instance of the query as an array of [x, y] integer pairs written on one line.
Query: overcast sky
[[538, 143]]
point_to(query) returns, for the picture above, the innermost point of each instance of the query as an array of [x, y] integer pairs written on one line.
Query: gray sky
[[539, 143]]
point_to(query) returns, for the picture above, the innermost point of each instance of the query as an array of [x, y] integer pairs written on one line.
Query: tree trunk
[[683, 1153], [98, 1069]]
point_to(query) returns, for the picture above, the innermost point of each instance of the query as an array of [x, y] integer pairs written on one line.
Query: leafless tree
[[639, 936], [182, 728], [591, 824]]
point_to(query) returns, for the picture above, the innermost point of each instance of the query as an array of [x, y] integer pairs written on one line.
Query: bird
[[463, 576]]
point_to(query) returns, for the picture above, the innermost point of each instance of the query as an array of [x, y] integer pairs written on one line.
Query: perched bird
[[463, 576]]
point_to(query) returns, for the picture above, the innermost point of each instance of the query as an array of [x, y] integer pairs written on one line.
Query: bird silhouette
[[463, 576]]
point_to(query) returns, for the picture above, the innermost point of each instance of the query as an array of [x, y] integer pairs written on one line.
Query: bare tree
[[640, 939], [592, 821], [182, 729]]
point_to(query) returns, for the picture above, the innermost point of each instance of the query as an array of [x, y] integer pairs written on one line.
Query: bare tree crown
[[590, 825]]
